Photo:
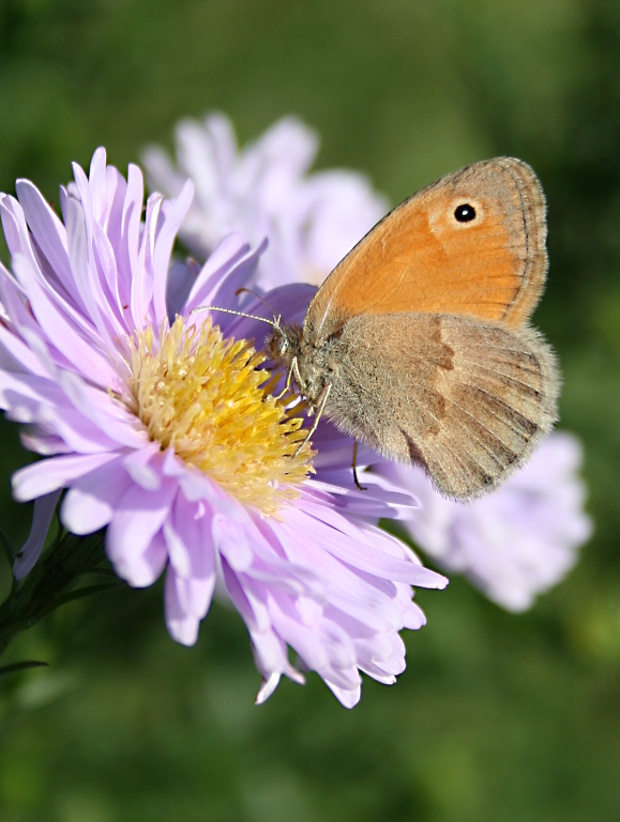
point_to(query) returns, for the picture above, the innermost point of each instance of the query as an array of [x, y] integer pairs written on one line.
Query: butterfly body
[[417, 343]]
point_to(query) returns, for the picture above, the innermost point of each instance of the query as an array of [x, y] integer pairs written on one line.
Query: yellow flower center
[[206, 398]]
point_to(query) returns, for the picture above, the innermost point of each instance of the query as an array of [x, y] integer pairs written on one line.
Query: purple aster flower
[[264, 190], [517, 542], [166, 430]]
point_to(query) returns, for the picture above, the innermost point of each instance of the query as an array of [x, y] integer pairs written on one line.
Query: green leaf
[[22, 666]]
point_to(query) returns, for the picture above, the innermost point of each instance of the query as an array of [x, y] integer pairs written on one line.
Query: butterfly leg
[[354, 467], [320, 405], [293, 371]]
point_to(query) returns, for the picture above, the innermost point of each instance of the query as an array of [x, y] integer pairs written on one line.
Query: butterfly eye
[[464, 213]]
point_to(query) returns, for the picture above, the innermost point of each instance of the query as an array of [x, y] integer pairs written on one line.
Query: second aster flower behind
[[167, 431], [265, 189]]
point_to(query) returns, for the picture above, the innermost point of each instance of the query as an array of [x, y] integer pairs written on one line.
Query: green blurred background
[[498, 716]]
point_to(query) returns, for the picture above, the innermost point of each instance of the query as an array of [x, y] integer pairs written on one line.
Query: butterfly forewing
[[471, 243]]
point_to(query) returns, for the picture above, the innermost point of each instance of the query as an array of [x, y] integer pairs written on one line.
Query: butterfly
[[419, 344]]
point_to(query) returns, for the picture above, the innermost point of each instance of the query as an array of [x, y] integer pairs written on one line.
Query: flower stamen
[[208, 399]]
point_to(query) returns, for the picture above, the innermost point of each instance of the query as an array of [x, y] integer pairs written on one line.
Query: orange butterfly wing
[[422, 258]]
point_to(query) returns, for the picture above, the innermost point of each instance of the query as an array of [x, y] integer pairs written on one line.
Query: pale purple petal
[[170, 218], [61, 332], [147, 567], [49, 475], [183, 625], [190, 554], [47, 231], [268, 687], [44, 508], [137, 518], [91, 502]]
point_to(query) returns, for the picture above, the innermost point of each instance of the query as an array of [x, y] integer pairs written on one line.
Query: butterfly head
[[284, 342]]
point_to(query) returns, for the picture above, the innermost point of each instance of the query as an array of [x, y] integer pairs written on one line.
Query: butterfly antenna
[[275, 323], [258, 297]]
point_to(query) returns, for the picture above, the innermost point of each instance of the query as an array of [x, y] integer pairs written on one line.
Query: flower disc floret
[[208, 399]]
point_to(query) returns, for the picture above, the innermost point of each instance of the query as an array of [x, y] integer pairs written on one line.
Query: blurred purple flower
[[264, 190], [517, 542], [168, 433]]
